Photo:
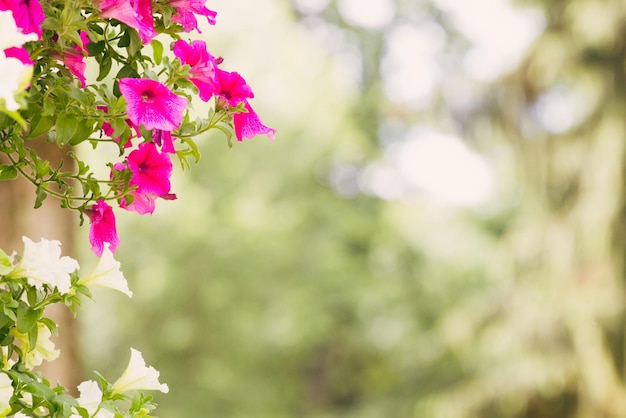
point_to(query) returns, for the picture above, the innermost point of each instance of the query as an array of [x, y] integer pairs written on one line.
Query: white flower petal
[[42, 264], [6, 391], [10, 35], [108, 274], [138, 376]]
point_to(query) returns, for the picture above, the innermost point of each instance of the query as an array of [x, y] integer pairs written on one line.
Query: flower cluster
[[28, 284], [141, 104], [144, 109]]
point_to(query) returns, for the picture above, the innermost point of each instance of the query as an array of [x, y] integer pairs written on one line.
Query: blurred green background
[[437, 231]]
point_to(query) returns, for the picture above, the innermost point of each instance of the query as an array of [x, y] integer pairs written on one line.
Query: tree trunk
[[50, 221]]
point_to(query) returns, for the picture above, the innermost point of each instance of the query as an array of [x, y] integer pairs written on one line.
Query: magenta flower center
[[147, 96]]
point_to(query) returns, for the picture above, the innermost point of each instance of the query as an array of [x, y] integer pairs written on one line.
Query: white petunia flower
[[138, 377], [6, 391], [15, 78], [15, 74], [10, 35], [108, 274], [90, 399], [44, 349], [42, 264]]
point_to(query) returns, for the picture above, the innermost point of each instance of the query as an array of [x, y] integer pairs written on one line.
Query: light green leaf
[[7, 172], [65, 126], [157, 48]]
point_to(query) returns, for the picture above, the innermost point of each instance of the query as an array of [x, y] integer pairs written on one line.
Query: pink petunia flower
[[74, 61], [28, 14], [164, 140], [109, 131], [231, 87], [186, 11], [84, 38], [20, 53], [135, 13], [248, 125], [202, 64], [152, 104], [103, 227], [151, 171], [73, 57]]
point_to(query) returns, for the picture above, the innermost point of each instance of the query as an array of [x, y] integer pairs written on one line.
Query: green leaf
[[13, 114], [96, 28], [26, 317], [74, 37], [39, 125], [32, 295], [33, 333], [65, 127], [84, 129], [4, 320], [52, 23], [96, 48], [7, 172], [135, 43], [127, 71], [52, 326], [49, 107], [124, 39], [41, 196], [40, 390], [105, 67], [157, 49], [42, 167], [6, 339]]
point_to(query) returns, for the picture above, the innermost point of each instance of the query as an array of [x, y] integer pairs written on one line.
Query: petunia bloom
[[10, 35], [17, 68], [186, 11], [136, 13], [107, 274], [42, 264], [138, 376], [202, 72], [15, 78], [28, 15], [248, 125], [6, 392], [74, 61], [43, 350], [109, 131], [90, 398], [231, 87], [73, 58], [20, 53], [152, 104], [151, 171], [164, 140], [103, 228]]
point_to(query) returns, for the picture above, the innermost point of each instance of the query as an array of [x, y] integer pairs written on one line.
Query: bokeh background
[[438, 230]]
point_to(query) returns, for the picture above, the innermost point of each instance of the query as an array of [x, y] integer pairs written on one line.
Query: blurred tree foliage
[[274, 287]]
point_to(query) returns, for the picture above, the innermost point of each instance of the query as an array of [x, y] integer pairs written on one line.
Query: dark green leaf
[[95, 48], [105, 67], [41, 196]]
